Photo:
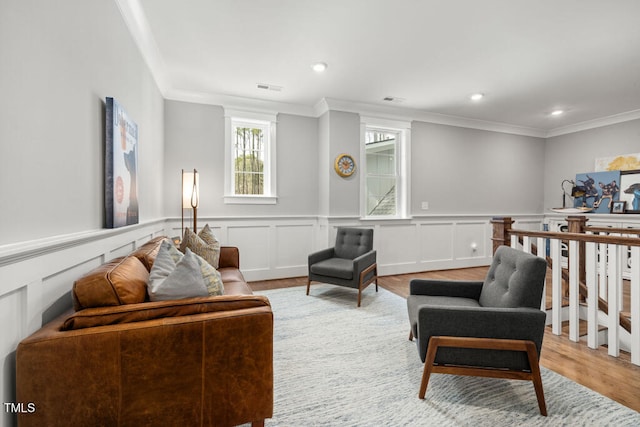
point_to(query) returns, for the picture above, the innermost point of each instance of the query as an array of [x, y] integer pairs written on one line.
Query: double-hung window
[[250, 157], [385, 184]]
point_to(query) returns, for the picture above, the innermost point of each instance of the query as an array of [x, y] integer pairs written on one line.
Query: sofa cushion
[[237, 288], [208, 249], [334, 267], [119, 281], [147, 253]]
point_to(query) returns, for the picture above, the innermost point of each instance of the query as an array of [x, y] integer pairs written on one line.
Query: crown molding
[[408, 114], [136, 21], [240, 103], [595, 123]]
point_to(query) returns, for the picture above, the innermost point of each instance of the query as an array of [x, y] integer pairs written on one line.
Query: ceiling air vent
[[392, 99], [269, 87]]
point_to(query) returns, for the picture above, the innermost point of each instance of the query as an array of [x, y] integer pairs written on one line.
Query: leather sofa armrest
[[229, 257]]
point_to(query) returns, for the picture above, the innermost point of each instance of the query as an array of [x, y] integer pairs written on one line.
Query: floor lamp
[[190, 195]]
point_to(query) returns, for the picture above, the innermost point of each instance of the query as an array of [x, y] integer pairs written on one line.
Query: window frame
[[266, 121], [402, 165]]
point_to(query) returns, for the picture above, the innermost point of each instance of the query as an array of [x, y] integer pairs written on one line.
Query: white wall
[[570, 154], [58, 62]]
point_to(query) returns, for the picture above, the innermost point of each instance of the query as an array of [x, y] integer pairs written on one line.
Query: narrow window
[[386, 157], [250, 153]]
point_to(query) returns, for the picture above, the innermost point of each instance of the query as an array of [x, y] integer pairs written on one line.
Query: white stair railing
[[604, 265]]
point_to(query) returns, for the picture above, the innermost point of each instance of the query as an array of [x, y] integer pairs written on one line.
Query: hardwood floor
[[613, 377]]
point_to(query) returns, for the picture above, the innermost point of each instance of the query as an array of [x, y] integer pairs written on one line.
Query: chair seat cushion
[[414, 302], [334, 267]]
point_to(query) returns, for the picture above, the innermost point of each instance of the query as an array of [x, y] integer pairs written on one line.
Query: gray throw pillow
[[184, 280]]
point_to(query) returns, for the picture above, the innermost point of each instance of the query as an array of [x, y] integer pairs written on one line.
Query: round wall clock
[[345, 165]]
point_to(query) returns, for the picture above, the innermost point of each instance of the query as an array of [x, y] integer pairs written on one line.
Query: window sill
[[250, 200]]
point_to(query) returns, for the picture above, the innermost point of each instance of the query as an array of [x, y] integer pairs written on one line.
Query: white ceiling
[[528, 57]]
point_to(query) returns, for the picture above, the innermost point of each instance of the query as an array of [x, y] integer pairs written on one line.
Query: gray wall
[[59, 60], [194, 138], [467, 171], [567, 155]]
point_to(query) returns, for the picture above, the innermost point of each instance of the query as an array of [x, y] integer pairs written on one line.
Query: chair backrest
[[515, 279], [353, 242]]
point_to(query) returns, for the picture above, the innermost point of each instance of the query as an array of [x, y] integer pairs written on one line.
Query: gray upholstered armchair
[[492, 328], [351, 262]]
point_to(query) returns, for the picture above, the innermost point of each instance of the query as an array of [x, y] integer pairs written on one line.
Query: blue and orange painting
[[597, 190]]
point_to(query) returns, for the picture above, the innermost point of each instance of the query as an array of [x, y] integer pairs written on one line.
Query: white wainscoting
[[277, 247]]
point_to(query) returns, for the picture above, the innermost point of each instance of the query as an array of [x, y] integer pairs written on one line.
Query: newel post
[[578, 224], [501, 231]]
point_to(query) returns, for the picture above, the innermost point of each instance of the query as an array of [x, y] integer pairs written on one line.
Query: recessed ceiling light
[[319, 67], [557, 112], [477, 96]]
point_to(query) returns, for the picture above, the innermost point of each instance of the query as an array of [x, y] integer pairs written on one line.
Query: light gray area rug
[[338, 365]]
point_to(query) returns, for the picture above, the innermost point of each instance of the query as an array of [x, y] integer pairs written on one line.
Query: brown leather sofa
[[120, 360]]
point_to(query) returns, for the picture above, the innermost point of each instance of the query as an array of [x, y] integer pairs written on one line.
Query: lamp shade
[[190, 189]]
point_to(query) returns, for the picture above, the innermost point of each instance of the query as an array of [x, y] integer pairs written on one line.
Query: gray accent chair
[[351, 262], [492, 328]]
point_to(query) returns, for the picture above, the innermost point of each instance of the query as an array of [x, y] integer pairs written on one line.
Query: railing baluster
[[592, 294], [602, 270], [556, 287], [514, 241], [635, 305], [526, 244], [615, 279], [574, 277], [542, 253]]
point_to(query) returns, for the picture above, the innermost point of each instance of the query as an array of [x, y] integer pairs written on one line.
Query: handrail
[[592, 238], [612, 230]]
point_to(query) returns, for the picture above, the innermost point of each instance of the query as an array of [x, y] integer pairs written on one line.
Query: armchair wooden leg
[[428, 366], [532, 354], [411, 335], [308, 285], [484, 343]]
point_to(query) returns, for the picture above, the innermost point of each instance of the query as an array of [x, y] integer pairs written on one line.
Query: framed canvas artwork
[[121, 167]]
